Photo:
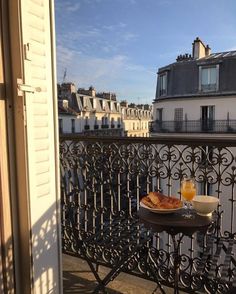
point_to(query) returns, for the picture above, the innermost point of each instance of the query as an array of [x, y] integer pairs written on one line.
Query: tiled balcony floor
[[77, 278]]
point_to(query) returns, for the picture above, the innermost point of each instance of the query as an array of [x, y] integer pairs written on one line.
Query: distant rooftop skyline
[[118, 45]]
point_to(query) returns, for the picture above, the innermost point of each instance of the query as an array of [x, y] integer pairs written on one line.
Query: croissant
[[146, 200], [161, 201]]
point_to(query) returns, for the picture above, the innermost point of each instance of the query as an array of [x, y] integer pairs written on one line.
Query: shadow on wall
[[6, 258], [45, 252], [45, 256]]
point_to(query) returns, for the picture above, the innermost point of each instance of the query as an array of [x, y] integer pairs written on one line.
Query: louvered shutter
[[37, 32]]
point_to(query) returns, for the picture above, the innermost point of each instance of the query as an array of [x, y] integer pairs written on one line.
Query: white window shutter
[[39, 94]]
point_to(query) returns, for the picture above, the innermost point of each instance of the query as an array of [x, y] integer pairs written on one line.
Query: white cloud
[[95, 38], [139, 68], [67, 6], [122, 25], [129, 36], [85, 69], [233, 48], [114, 27], [73, 8], [115, 74]]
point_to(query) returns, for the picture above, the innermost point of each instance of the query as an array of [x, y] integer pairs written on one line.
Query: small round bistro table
[[174, 224]]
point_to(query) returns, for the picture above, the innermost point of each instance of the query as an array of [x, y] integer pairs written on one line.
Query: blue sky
[[118, 45]]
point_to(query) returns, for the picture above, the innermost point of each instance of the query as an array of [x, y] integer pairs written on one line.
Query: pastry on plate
[[160, 201]]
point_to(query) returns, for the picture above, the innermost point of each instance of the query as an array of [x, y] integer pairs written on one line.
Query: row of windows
[[139, 126], [136, 112], [208, 80], [87, 102], [207, 112], [105, 122]]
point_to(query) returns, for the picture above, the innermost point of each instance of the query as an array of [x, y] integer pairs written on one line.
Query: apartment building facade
[[87, 112], [196, 93], [136, 119]]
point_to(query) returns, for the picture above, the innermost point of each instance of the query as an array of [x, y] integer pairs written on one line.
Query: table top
[[174, 223]]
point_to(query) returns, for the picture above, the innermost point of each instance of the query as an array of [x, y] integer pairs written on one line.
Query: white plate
[[158, 210]]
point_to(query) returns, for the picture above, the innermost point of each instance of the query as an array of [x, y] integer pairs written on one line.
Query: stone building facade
[[87, 112], [196, 93]]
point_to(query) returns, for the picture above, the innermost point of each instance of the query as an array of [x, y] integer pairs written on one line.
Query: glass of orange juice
[[188, 192]]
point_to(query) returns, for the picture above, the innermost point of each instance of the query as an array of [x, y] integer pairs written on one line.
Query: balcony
[[103, 178], [86, 127], [106, 126], [194, 126]]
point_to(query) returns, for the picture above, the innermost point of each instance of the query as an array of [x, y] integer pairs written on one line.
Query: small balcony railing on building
[[103, 177], [106, 126], [193, 126]]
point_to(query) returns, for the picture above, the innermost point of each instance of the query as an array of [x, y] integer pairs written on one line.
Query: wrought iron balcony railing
[[193, 126], [105, 177]]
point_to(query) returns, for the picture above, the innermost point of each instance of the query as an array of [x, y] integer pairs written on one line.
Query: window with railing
[[86, 126], [118, 122], [112, 122], [207, 117], [178, 118], [96, 126]]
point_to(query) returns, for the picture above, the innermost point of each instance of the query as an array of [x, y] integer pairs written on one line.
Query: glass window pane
[[212, 75], [204, 76], [163, 84]]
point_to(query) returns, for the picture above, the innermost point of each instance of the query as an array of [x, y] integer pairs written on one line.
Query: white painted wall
[[80, 121], [192, 107], [67, 124]]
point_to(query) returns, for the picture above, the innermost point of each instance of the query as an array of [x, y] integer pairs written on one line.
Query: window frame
[[178, 114], [162, 84], [200, 86], [159, 114]]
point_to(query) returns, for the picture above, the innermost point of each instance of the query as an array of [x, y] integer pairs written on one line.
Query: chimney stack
[[199, 49], [208, 50], [92, 91]]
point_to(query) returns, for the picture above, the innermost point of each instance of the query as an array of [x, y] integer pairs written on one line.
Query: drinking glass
[[188, 191]]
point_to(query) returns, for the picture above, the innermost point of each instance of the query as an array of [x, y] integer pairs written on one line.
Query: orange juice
[[188, 190], [188, 194]]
